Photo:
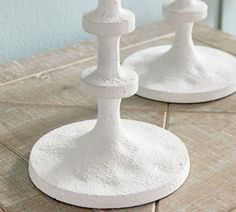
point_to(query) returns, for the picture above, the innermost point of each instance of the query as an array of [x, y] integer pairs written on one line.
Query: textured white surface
[[184, 73], [170, 78], [109, 163], [185, 10], [142, 164]]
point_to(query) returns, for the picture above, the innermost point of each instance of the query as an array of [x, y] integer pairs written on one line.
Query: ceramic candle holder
[[183, 72], [108, 162]]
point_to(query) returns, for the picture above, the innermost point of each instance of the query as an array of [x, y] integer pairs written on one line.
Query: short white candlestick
[[184, 73], [108, 162]]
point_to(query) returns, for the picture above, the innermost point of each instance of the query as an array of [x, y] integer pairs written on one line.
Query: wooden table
[[41, 93]]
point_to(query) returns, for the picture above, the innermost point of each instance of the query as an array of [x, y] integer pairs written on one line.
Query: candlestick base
[[203, 75], [73, 165]]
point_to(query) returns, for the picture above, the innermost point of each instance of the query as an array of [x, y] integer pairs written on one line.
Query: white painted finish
[[109, 162], [76, 165], [184, 73]]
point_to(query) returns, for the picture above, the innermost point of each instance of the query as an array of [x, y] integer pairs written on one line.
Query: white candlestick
[[109, 162], [184, 73]]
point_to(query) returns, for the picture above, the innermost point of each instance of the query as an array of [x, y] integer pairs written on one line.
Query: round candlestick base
[[74, 165], [205, 74]]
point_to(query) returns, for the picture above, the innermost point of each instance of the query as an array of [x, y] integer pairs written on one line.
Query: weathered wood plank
[[42, 62], [47, 204], [60, 87], [15, 184], [211, 142], [227, 105], [17, 191], [56, 88], [144, 208], [21, 126]]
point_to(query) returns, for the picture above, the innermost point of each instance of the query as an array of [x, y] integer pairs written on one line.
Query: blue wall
[[229, 16], [30, 27]]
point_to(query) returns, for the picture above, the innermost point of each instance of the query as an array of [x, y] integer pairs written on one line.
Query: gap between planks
[[2, 208], [166, 114], [203, 112], [156, 206], [47, 105], [165, 126], [18, 155], [12, 150], [166, 117]]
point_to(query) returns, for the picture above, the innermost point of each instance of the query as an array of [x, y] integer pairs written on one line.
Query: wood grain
[[144, 208], [15, 185], [36, 64], [22, 125], [43, 203], [211, 141], [225, 105]]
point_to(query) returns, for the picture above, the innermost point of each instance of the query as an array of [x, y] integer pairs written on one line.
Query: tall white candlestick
[[109, 162]]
